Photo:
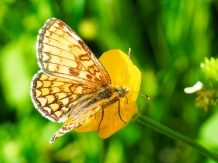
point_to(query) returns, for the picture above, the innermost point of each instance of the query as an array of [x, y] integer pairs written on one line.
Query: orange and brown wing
[[56, 98], [62, 53]]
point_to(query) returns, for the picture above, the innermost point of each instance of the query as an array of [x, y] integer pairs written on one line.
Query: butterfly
[[72, 84]]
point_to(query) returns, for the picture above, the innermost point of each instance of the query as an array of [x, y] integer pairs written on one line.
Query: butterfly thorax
[[105, 93]]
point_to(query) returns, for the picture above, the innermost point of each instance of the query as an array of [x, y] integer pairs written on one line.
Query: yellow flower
[[114, 62]]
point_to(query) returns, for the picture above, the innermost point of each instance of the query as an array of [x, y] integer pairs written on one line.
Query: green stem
[[177, 136]]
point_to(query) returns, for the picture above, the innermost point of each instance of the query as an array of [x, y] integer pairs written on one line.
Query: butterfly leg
[[126, 100], [102, 117], [119, 111]]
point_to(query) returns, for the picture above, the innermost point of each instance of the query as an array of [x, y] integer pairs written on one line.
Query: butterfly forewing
[[62, 53]]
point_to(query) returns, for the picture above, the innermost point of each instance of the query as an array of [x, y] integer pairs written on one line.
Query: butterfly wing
[[62, 53], [57, 98]]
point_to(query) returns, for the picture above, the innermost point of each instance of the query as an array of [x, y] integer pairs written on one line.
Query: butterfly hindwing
[[56, 97]]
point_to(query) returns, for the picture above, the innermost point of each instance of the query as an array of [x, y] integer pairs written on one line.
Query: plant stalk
[[177, 136]]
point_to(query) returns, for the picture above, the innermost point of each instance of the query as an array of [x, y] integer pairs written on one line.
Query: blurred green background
[[169, 40]]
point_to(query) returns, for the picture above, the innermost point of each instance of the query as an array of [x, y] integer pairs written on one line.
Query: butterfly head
[[122, 91]]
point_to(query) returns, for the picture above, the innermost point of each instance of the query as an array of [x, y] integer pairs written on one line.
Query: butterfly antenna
[[129, 53], [144, 95]]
